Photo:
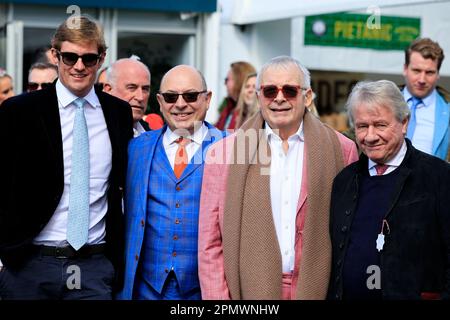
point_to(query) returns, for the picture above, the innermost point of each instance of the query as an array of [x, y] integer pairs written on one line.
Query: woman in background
[[234, 80], [247, 104]]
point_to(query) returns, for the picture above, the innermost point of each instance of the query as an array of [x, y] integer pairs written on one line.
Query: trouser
[[49, 277]]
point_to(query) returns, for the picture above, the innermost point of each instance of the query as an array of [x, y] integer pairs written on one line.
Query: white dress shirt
[[138, 129], [171, 147], [286, 171], [100, 153], [425, 121], [392, 164]]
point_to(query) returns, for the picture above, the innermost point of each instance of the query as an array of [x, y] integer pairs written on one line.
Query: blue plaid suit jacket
[[141, 152]]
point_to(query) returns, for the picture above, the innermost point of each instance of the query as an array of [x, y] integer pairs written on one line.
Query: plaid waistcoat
[[171, 232]]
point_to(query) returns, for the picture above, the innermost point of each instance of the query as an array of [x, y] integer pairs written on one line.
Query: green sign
[[361, 31]]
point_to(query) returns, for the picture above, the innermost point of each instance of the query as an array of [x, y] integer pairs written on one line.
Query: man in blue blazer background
[[164, 178], [428, 127]]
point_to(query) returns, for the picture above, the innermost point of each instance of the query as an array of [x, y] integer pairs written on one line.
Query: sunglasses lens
[[46, 85], [270, 92], [289, 91], [170, 97], [69, 58], [190, 96], [89, 59], [32, 86]]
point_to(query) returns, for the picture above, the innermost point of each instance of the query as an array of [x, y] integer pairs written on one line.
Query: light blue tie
[[412, 119], [78, 217]]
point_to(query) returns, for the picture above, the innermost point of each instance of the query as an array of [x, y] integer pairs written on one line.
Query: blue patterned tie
[[78, 217], [412, 119]]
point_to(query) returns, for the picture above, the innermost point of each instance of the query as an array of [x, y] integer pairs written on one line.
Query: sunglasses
[[71, 58], [189, 97], [289, 91], [33, 86]]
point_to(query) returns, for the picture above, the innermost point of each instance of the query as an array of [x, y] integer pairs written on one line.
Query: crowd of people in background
[[267, 203]]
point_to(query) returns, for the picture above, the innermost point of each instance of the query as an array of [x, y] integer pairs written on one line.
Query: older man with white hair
[[390, 217]]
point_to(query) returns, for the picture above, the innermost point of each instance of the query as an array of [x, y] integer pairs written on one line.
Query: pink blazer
[[212, 204]]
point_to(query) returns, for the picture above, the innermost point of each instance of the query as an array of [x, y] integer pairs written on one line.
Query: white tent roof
[[253, 11]]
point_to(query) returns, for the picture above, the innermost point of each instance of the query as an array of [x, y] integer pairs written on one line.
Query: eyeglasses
[[33, 86], [71, 58], [189, 97], [289, 91]]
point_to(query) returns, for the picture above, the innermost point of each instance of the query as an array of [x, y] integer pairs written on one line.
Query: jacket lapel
[[111, 123], [442, 118], [304, 187], [52, 126], [146, 154], [52, 122]]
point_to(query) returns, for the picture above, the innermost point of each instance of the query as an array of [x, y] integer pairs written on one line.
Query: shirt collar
[[427, 101], [396, 160], [66, 98], [198, 136], [138, 129], [270, 133]]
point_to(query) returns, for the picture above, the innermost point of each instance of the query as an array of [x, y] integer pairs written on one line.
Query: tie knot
[[182, 141], [79, 103], [381, 168], [415, 102]]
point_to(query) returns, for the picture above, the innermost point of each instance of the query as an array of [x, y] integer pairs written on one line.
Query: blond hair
[[85, 30]]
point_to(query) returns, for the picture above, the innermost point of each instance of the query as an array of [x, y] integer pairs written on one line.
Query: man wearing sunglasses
[[41, 76], [129, 80], [164, 178], [62, 179], [263, 223]]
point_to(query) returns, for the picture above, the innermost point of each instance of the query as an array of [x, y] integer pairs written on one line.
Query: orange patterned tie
[[181, 158]]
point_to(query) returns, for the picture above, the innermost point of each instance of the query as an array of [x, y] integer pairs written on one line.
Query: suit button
[[338, 263], [177, 221], [341, 245], [175, 237], [344, 229], [177, 205], [337, 296], [338, 278], [178, 188], [136, 257], [347, 212], [174, 254], [142, 223], [355, 197]]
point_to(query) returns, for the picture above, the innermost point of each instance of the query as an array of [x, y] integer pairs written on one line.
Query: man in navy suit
[[164, 179], [62, 175]]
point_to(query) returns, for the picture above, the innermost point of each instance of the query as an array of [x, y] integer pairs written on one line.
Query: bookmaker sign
[[358, 30]]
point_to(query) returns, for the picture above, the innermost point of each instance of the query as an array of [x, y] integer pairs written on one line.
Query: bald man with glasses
[[164, 179]]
